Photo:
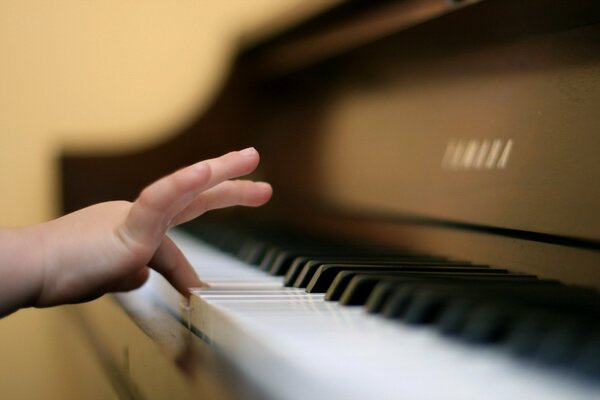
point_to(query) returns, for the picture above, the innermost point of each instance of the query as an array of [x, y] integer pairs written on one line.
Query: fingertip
[[200, 285], [192, 281], [265, 187], [251, 157], [249, 152], [265, 192]]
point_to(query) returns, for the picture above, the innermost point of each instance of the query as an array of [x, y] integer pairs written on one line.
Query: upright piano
[[434, 231]]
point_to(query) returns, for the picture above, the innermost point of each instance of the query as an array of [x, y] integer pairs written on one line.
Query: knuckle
[[147, 197]]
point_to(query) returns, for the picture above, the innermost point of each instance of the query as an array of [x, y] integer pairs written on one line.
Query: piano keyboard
[[357, 324]]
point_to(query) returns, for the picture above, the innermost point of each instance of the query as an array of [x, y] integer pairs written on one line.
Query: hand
[[111, 246]]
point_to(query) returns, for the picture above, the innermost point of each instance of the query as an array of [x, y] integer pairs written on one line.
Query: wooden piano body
[[466, 129]]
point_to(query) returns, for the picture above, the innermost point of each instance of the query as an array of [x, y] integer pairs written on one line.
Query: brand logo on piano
[[465, 154]]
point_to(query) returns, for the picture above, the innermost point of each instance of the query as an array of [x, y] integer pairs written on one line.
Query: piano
[[434, 231]]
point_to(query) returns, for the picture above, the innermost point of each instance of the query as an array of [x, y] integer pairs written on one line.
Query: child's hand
[[110, 246]]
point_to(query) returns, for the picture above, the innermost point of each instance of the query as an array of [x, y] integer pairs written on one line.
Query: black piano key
[[251, 244], [379, 297], [429, 303], [274, 252], [562, 343], [424, 306], [310, 268], [487, 317], [281, 245], [318, 278], [312, 263], [354, 287], [398, 301], [523, 339], [293, 269], [358, 288], [456, 308], [252, 251], [453, 318], [357, 291], [299, 262], [283, 258], [503, 322], [467, 306], [588, 360], [486, 324], [325, 274], [460, 308]]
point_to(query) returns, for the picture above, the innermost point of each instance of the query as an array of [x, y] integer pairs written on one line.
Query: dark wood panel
[[228, 124]]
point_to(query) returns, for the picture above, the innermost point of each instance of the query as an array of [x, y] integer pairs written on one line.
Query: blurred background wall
[[108, 76]]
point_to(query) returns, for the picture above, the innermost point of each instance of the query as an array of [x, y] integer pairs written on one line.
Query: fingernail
[[264, 185], [250, 151]]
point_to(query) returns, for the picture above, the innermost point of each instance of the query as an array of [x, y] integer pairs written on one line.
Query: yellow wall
[[108, 75], [102, 75]]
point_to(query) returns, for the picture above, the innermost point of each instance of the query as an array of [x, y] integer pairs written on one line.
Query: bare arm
[[110, 246]]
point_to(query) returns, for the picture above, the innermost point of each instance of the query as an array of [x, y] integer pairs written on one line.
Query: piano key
[[486, 324], [278, 259], [588, 360], [424, 306], [354, 287], [561, 344], [521, 324], [454, 317], [379, 297], [524, 336], [300, 263], [326, 274], [428, 304], [398, 301], [479, 319], [280, 256], [285, 259], [274, 334], [310, 271]]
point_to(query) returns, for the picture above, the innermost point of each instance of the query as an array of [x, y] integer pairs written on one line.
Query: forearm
[[21, 267]]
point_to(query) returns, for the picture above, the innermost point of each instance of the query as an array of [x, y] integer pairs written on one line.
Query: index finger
[[170, 262]]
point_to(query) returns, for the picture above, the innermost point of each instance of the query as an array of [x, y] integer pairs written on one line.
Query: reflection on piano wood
[[355, 140]]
